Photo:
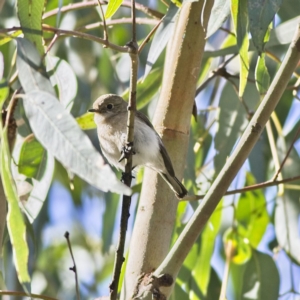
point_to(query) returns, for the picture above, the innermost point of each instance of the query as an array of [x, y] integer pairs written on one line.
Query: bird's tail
[[175, 185]]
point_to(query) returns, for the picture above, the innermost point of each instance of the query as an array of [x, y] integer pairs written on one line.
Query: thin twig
[[76, 6], [74, 269], [142, 21], [105, 33], [119, 257], [86, 36], [249, 188], [146, 40], [23, 294], [287, 154]]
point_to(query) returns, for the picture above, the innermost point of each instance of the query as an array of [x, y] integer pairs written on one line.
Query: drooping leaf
[[32, 72], [251, 213], [59, 133], [262, 77], [161, 37], [240, 21], [112, 7], [147, 88], [15, 223], [30, 16], [240, 248], [261, 278], [62, 76], [261, 14], [30, 157], [219, 14], [202, 269], [33, 204]]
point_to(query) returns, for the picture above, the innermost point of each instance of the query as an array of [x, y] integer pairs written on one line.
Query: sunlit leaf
[[86, 121], [30, 157], [251, 213], [202, 269], [30, 16], [15, 223], [112, 7], [240, 248], [262, 77], [240, 21]]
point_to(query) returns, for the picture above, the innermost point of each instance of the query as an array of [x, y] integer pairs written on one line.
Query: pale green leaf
[[240, 20], [15, 223], [30, 16], [261, 14], [262, 77]]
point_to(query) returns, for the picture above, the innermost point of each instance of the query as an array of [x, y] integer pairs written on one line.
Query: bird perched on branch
[[148, 149]]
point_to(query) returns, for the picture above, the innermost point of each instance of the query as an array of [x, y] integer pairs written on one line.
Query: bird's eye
[[109, 106]]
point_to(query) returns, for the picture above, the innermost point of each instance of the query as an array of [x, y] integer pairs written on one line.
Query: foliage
[[54, 66]]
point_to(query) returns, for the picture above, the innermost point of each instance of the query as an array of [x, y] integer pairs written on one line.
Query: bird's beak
[[92, 110]]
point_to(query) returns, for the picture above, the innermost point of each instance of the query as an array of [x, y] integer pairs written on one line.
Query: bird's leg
[[127, 150], [124, 177]]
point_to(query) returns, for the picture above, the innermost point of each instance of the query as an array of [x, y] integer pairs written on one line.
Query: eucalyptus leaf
[[240, 21], [161, 37], [219, 14], [261, 278], [63, 77], [30, 16], [15, 222], [261, 14]]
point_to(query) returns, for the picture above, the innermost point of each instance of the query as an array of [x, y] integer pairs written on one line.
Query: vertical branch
[[127, 177]]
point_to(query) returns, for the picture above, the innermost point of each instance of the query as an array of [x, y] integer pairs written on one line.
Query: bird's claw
[[127, 150]]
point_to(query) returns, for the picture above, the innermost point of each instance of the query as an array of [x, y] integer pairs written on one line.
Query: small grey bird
[[111, 120]]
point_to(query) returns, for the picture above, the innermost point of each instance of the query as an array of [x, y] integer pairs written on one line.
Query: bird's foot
[[127, 150]]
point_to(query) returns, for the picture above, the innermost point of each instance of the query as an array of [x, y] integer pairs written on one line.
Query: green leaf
[[86, 121], [147, 88], [232, 121], [41, 185], [59, 133], [251, 213], [30, 16], [161, 37], [15, 223], [112, 7], [261, 278], [262, 77], [4, 90], [219, 14], [240, 20], [202, 269], [234, 237], [261, 14], [30, 157]]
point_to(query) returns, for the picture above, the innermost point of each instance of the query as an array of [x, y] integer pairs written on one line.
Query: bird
[[110, 115]]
